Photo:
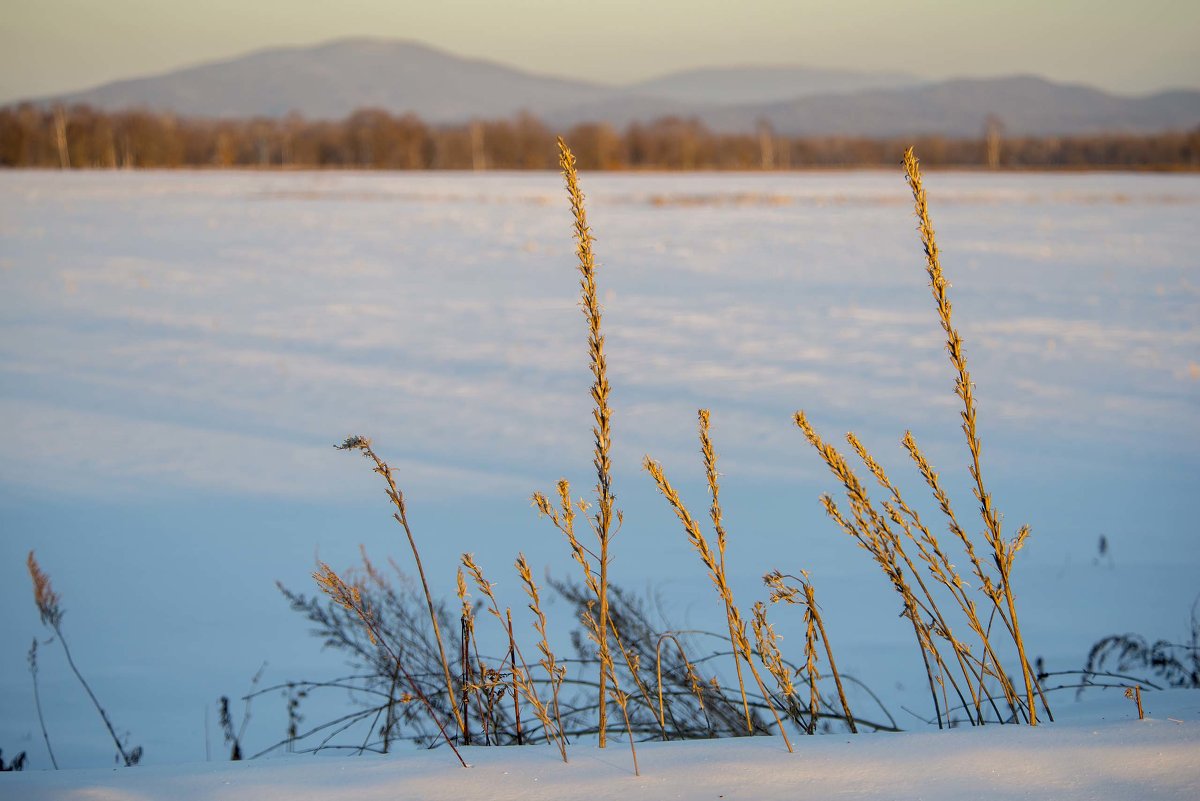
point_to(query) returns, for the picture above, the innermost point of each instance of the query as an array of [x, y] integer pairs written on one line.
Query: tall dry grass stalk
[[810, 606], [363, 446], [716, 567], [1004, 552], [886, 535], [622, 699], [606, 520], [810, 668]]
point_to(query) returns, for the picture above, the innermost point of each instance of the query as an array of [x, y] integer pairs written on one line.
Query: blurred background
[[389, 254]]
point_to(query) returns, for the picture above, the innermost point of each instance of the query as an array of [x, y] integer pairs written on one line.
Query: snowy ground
[[1110, 757], [178, 351]]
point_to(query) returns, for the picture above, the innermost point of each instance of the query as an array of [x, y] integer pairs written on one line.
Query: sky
[[53, 46]]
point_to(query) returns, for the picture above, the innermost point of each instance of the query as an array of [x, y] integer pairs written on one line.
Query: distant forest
[[82, 137]]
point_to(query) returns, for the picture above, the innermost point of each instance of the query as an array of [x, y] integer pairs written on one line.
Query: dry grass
[[963, 676], [716, 566], [813, 625], [350, 598], [555, 673], [603, 522], [363, 445], [1004, 551], [49, 606], [885, 529]]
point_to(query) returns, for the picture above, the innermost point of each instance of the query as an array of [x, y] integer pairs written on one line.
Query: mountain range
[[331, 80]]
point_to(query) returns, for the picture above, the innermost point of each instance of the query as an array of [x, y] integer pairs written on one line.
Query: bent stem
[[51, 612], [363, 445]]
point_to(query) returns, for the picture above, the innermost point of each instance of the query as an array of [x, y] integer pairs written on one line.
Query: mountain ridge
[[332, 79]]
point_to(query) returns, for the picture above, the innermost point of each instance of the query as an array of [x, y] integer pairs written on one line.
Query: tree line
[[84, 137]]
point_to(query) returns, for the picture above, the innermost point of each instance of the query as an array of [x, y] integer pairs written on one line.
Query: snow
[[1110, 757], [178, 352]]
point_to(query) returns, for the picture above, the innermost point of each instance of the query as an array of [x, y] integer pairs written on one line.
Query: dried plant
[[716, 566], [350, 598], [1132, 658], [806, 596], [768, 651], [376, 684], [234, 736], [1134, 694], [1003, 551], [32, 658], [693, 703], [516, 675], [873, 529], [467, 636], [49, 606], [945, 572], [685, 703], [606, 521], [17, 763], [363, 445], [555, 673]]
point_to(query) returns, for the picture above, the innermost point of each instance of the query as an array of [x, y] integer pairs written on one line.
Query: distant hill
[[330, 81], [743, 85], [1026, 105]]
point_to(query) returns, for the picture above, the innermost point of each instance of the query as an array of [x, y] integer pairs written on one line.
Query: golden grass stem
[[964, 388], [811, 603], [780, 591], [363, 445], [810, 668], [872, 533], [554, 672], [714, 487], [601, 413], [737, 628], [768, 653], [710, 471], [694, 682], [622, 699], [632, 662], [986, 584], [942, 628], [516, 677]]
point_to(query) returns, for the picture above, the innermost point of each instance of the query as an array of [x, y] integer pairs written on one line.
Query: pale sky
[[51, 46]]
